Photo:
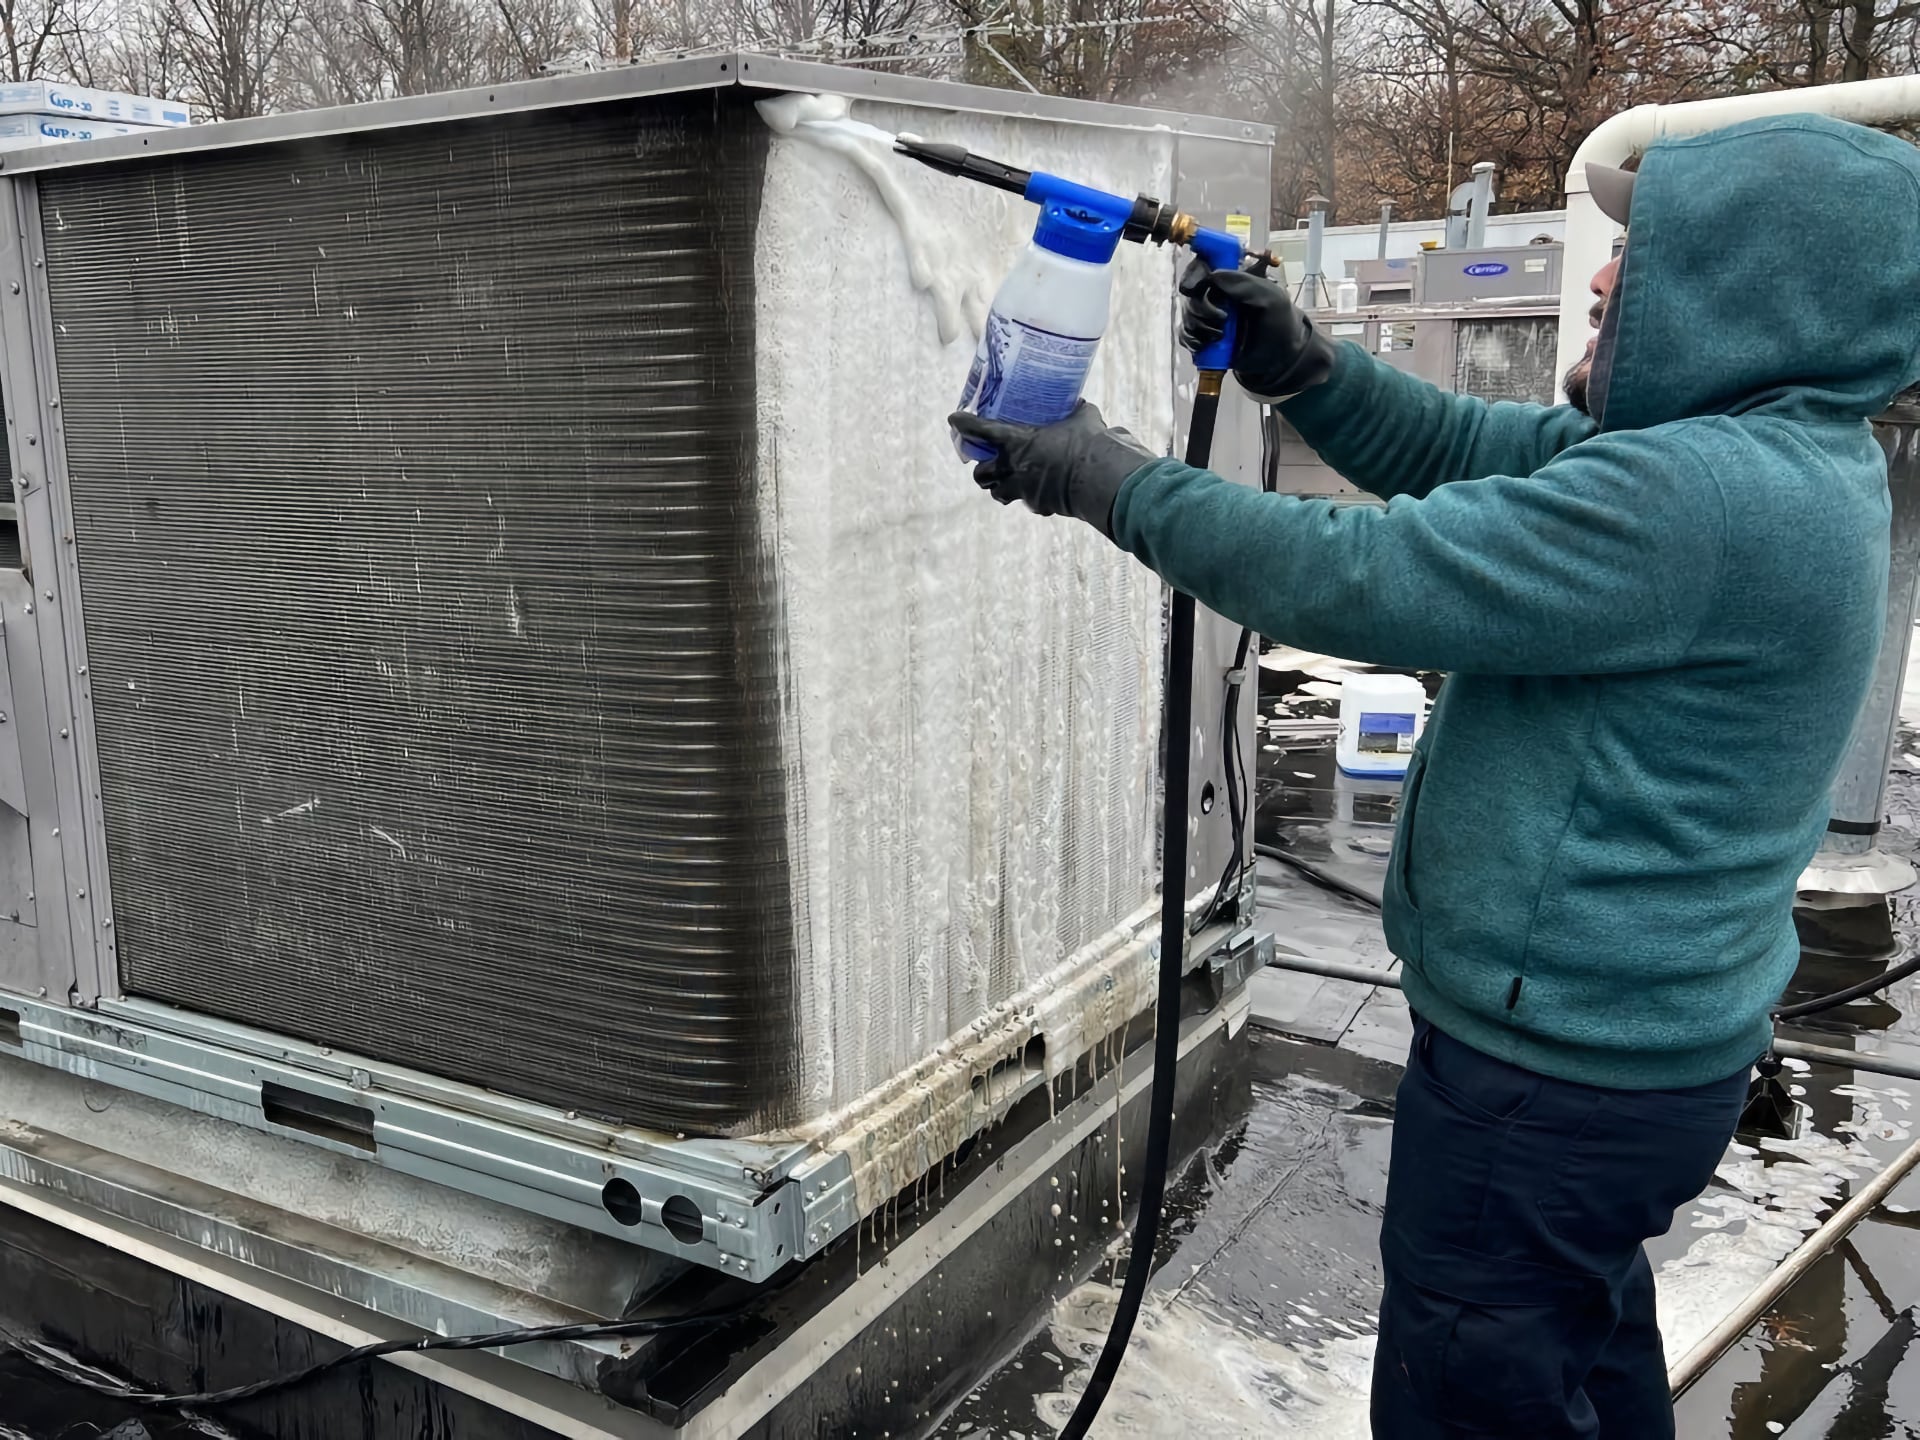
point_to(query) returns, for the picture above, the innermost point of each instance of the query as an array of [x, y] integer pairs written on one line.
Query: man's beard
[[1575, 384], [1579, 377]]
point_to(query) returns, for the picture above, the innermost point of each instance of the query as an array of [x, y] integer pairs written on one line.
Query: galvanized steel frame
[[69, 860], [154, 1218], [742, 68], [762, 1203]]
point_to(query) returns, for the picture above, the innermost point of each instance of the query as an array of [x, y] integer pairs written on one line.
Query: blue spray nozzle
[[1076, 233], [1077, 221]]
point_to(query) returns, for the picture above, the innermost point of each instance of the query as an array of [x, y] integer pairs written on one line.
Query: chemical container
[[1044, 327], [1381, 717]]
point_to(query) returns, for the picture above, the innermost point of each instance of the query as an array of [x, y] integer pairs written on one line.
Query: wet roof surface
[[1261, 1317]]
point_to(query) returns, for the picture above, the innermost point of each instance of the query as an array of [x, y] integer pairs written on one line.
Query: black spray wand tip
[[955, 160]]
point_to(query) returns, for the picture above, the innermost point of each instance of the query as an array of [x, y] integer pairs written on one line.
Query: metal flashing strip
[[762, 72], [63, 631], [388, 1281], [509, 1387]]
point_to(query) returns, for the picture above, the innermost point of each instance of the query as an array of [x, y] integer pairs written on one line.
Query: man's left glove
[[1075, 467]]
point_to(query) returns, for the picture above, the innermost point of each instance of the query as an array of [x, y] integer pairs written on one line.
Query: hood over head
[[1770, 266]]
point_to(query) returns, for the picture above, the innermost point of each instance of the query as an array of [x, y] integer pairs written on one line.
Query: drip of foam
[[940, 273], [972, 705]]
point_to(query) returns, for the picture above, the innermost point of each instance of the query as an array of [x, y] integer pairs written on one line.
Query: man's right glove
[[1276, 351]]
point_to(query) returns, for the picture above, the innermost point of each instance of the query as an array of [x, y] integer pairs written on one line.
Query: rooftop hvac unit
[[519, 670]]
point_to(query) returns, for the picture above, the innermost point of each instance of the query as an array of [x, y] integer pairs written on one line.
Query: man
[[1658, 609]]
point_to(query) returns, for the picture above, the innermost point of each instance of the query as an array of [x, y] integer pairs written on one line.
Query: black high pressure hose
[[1173, 949]]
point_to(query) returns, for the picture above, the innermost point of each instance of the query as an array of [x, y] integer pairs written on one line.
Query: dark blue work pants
[[1519, 1302]]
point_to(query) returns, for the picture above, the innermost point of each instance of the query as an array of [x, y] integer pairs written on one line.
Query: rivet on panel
[[16, 287], [63, 734], [79, 894], [56, 829]]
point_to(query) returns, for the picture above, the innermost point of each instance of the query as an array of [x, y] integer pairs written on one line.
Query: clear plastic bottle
[[1044, 326]]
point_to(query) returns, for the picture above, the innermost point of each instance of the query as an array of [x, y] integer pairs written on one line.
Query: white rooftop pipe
[[1590, 235]]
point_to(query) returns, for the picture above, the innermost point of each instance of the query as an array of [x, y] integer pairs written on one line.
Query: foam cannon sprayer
[[1031, 366]]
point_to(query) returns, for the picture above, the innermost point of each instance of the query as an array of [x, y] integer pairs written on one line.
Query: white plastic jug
[[1043, 330], [1381, 716]]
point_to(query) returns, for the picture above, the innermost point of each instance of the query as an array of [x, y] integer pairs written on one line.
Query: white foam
[[973, 692], [1189, 1372], [942, 262]]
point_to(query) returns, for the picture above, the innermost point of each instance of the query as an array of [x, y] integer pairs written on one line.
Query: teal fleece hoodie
[[1658, 629]]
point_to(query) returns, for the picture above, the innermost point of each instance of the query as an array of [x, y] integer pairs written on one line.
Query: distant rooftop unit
[[1344, 245]]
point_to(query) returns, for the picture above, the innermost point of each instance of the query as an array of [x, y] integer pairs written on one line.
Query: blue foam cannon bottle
[[1047, 319]]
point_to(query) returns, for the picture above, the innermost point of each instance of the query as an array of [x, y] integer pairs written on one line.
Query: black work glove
[[1276, 351], [1075, 467]]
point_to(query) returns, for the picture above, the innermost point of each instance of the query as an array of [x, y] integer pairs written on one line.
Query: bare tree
[[1286, 63], [529, 35], [1116, 50], [137, 51], [38, 36], [1523, 82], [417, 47], [1788, 43], [326, 61], [230, 50]]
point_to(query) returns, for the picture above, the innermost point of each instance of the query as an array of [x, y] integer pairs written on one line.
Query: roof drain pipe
[[1717, 1341], [1589, 234]]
